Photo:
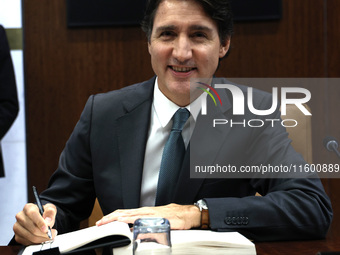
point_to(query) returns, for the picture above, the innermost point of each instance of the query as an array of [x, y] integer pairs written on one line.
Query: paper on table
[[73, 240], [203, 242]]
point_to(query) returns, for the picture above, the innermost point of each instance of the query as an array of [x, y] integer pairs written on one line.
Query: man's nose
[[182, 50]]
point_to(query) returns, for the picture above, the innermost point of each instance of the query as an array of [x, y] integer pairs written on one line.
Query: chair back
[[301, 135]]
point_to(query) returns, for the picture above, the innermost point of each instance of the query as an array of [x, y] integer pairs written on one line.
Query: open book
[[185, 242], [113, 234], [117, 234]]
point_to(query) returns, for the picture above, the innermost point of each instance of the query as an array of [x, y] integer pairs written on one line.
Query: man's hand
[[180, 216], [31, 227]]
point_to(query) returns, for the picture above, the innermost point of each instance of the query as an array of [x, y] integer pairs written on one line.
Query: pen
[[41, 209]]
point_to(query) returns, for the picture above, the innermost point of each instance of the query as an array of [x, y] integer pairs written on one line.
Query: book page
[[210, 242], [209, 238], [196, 242], [73, 240]]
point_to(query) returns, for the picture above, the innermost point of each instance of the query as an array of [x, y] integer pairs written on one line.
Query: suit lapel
[[132, 137]]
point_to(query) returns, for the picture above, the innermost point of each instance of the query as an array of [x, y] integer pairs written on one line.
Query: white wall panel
[[10, 13]]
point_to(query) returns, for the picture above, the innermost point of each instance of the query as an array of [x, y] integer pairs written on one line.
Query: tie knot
[[180, 117]]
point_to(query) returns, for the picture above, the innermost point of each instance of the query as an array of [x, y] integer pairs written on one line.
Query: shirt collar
[[165, 108]]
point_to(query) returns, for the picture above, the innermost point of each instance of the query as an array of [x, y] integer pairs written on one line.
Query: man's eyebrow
[[173, 27], [201, 28], [165, 28]]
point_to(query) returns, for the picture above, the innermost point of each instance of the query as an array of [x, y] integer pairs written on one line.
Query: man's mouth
[[182, 69]]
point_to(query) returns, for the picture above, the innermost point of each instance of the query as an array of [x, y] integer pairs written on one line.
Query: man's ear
[[149, 47], [224, 48]]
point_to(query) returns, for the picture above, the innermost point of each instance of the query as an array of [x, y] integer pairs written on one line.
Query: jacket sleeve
[[289, 208], [71, 186], [292, 209]]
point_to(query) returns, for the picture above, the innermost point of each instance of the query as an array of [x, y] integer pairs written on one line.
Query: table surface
[[265, 248], [330, 244]]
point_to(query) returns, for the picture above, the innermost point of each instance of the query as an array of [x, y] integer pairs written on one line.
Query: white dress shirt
[[162, 111]]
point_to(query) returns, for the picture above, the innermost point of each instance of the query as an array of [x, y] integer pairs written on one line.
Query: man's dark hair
[[218, 10]]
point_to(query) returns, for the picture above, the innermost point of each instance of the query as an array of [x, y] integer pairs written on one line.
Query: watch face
[[202, 204]]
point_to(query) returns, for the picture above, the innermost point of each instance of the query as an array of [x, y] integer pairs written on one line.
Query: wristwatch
[[203, 207]]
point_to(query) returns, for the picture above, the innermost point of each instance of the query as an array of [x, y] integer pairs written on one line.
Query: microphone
[[331, 144]]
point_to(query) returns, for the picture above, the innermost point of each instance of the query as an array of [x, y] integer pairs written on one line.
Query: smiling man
[[115, 152], [184, 44]]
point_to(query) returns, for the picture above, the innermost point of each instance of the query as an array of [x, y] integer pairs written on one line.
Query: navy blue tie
[[172, 158]]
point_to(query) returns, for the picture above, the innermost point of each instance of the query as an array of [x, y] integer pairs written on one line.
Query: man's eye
[[199, 35], [167, 34]]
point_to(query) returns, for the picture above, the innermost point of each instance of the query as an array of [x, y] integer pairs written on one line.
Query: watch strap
[[205, 222], [202, 206]]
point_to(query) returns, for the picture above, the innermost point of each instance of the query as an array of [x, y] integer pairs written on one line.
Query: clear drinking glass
[[151, 236]]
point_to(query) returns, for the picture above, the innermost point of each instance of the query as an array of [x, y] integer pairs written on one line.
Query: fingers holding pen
[[32, 220], [31, 227], [42, 221]]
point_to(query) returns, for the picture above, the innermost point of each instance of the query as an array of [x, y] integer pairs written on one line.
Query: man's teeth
[[181, 69]]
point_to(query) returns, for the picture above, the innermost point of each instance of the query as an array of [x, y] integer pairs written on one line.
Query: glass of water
[[151, 236]]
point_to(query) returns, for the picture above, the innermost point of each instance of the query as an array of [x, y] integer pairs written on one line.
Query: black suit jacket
[[104, 158], [8, 92]]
